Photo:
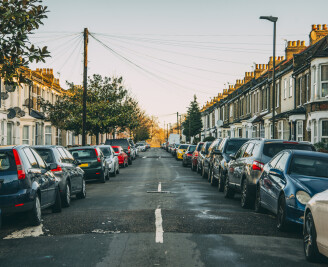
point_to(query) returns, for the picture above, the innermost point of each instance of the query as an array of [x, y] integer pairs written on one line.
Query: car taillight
[[257, 166], [58, 169], [189, 154], [98, 158], [289, 142], [196, 153], [20, 170], [128, 149]]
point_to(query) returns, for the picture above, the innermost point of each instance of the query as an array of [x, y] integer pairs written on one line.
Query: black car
[[92, 162], [26, 183], [69, 174], [208, 160], [188, 155], [221, 159], [201, 156], [124, 143]]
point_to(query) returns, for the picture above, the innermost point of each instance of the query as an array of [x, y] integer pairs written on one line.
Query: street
[[155, 213]]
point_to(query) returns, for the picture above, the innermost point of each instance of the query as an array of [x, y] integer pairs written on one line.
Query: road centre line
[[159, 226], [159, 187]]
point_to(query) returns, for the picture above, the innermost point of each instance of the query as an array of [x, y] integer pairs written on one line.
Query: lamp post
[[274, 20]]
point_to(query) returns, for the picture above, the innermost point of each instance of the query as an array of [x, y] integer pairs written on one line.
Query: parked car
[[186, 159], [141, 147], [92, 162], [209, 159], [315, 234], [181, 150], [174, 149], [289, 181], [68, 173], [121, 156], [201, 156], [194, 159], [26, 183], [246, 166], [221, 159], [124, 143], [133, 149], [111, 164]]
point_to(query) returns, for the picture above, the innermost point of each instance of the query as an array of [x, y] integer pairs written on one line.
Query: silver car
[[110, 161], [246, 166]]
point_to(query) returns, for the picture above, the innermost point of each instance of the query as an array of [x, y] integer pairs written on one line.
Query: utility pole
[[85, 84]]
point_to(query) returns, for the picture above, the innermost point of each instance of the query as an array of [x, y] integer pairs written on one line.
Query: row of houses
[[22, 120], [301, 97]]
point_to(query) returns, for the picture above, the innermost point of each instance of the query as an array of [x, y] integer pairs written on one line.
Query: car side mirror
[[217, 152], [232, 156], [276, 172]]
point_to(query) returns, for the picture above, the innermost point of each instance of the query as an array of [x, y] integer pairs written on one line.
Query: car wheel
[[35, 213], [281, 213], [228, 191], [102, 178], [221, 182], [57, 207], [130, 161], [310, 239], [67, 196], [258, 207], [118, 170], [213, 180], [245, 197], [83, 192], [113, 174]]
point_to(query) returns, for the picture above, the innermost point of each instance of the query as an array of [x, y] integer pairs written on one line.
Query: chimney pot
[[289, 43], [303, 43], [319, 27], [314, 27], [298, 42], [294, 43], [324, 27]]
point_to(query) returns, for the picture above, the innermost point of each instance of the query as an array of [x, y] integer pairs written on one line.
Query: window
[[241, 151], [324, 131], [249, 150], [258, 100], [254, 132], [315, 131], [247, 106], [262, 131], [40, 161], [285, 88], [300, 90], [31, 158], [231, 110], [58, 137], [48, 135], [26, 135], [281, 130], [250, 104], [277, 94], [9, 134], [274, 161], [308, 91], [324, 81], [314, 78], [299, 131], [268, 97], [290, 87], [281, 165]]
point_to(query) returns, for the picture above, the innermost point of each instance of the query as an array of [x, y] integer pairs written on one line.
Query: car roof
[[309, 153], [82, 147]]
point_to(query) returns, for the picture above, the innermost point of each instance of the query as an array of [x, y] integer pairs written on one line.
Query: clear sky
[[169, 50]]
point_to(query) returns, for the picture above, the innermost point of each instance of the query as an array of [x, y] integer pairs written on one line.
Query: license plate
[[84, 165]]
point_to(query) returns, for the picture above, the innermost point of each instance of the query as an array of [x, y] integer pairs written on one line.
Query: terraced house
[[301, 97]]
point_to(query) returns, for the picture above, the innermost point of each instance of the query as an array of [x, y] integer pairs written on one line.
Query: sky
[[169, 50]]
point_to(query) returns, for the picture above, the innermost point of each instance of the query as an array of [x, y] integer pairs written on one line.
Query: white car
[[315, 228], [110, 161], [141, 147]]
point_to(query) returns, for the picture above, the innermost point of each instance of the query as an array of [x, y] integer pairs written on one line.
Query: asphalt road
[[154, 213]]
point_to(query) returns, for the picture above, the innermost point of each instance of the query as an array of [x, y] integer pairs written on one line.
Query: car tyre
[[130, 161], [113, 174], [310, 239], [83, 192], [66, 200], [257, 206], [57, 207], [118, 170], [214, 182], [204, 175], [245, 194], [228, 191], [102, 178], [281, 213], [35, 213], [221, 181]]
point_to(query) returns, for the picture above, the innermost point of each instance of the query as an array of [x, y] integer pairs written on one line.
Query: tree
[[18, 20], [193, 122]]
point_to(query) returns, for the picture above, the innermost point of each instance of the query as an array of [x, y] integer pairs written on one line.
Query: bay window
[[324, 80], [324, 131]]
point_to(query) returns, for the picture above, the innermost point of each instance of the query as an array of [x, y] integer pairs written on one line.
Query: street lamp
[[274, 20]]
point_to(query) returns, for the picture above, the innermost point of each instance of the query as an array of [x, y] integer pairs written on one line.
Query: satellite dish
[[17, 110], [10, 88], [11, 113], [4, 95]]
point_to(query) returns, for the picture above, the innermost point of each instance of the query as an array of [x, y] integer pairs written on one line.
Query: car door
[[77, 175], [47, 176], [320, 214], [67, 168], [235, 166]]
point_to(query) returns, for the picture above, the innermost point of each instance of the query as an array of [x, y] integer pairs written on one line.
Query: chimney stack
[[318, 33], [294, 48]]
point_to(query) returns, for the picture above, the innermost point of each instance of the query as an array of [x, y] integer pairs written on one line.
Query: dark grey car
[[246, 166], [209, 159], [68, 173], [201, 156]]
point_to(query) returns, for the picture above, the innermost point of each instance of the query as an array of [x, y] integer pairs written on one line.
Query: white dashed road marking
[[159, 187], [159, 226]]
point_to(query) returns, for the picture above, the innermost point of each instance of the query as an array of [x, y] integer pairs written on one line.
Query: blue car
[[289, 181]]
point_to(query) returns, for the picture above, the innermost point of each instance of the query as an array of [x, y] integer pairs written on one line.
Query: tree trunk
[[97, 139]]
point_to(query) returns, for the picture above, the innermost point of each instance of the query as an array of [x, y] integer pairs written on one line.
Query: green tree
[[193, 123], [18, 20]]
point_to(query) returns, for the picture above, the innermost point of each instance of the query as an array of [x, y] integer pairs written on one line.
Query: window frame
[[290, 86], [299, 134], [323, 82]]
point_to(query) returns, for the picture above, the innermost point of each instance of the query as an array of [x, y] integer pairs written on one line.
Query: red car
[[122, 156], [194, 158]]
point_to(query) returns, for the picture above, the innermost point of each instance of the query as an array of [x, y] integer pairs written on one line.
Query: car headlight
[[303, 197]]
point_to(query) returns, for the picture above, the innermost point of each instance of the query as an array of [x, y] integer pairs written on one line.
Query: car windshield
[[233, 145], [84, 153], [191, 148], [106, 151], [271, 149], [199, 148], [183, 146], [7, 161], [309, 166], [46, 154]]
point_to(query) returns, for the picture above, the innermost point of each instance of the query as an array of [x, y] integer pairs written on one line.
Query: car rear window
[[46, 154], [271, 149], [118, 142], [192, 148], [106, 151], [183, 146], [116, 149], [7, 161], [309, 166], [199, 147], [83, 153], [233, 145]]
